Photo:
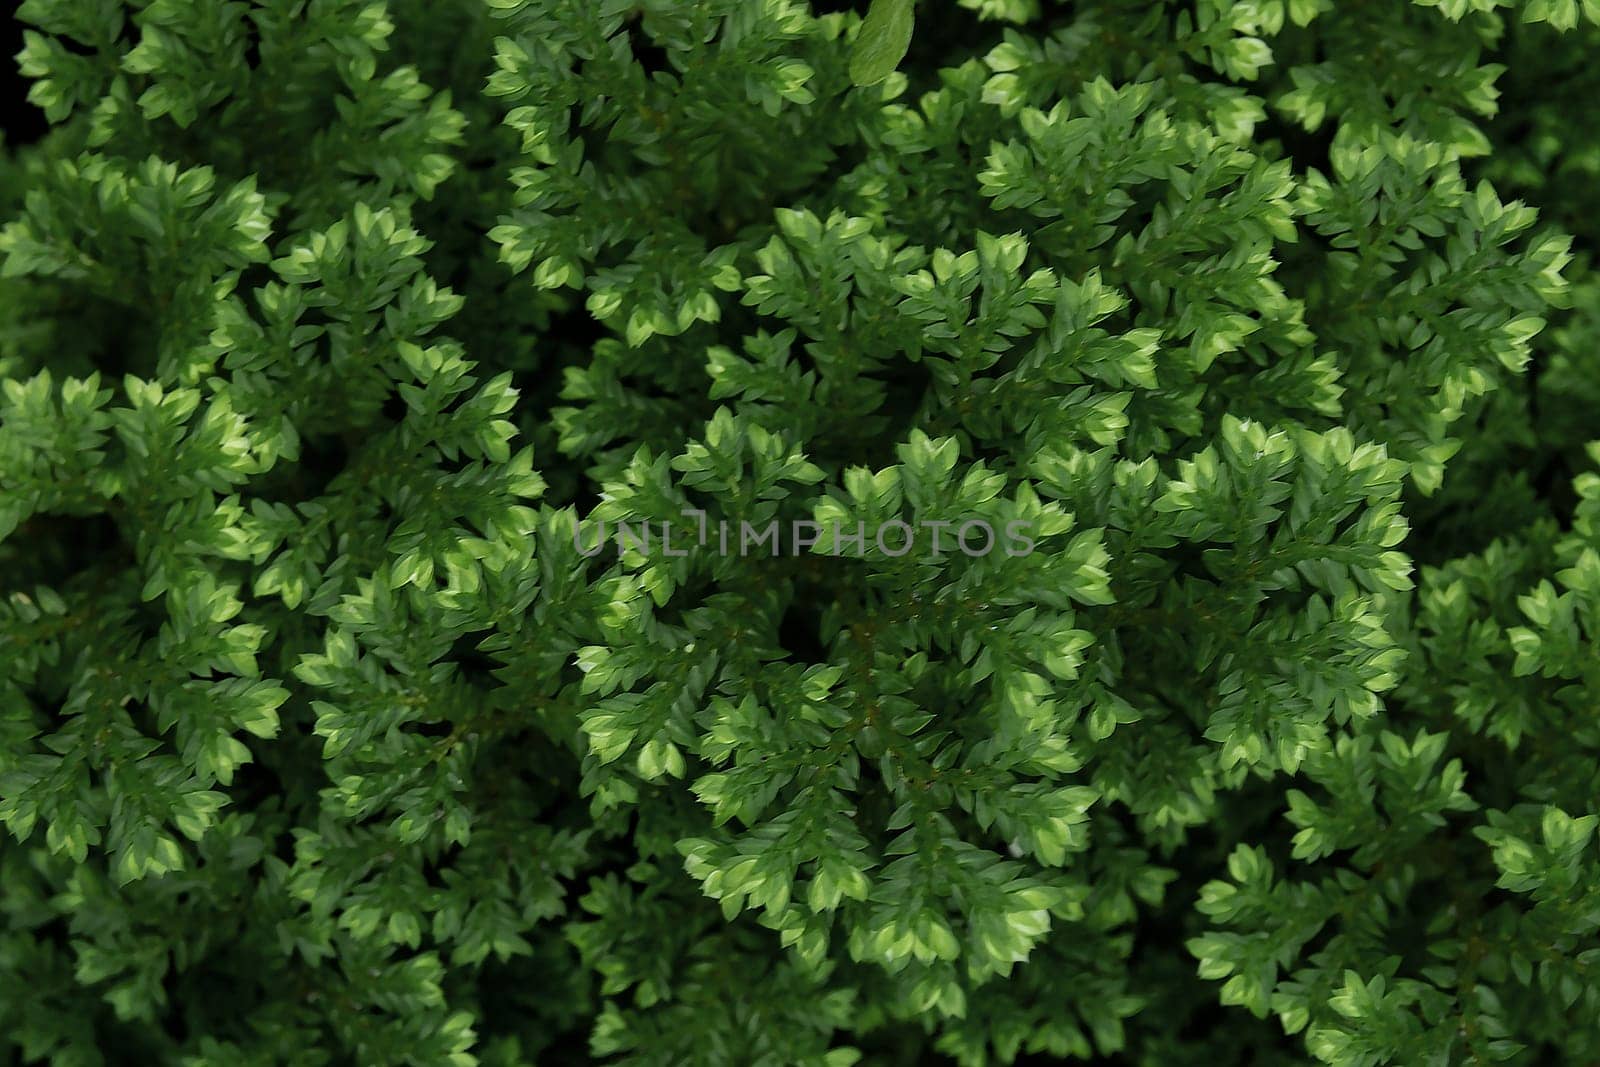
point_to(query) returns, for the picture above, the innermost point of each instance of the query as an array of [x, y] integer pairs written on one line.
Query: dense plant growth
[[334, 334]]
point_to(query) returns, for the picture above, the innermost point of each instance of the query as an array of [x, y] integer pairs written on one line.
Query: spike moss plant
[[767, 532]]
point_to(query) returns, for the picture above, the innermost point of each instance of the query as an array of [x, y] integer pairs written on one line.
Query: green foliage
[[334, 729]]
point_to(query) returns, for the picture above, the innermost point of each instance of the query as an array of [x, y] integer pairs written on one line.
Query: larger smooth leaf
[[885, 36]]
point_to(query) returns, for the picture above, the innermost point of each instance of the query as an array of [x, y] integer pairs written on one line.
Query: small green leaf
[[885, 36]]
